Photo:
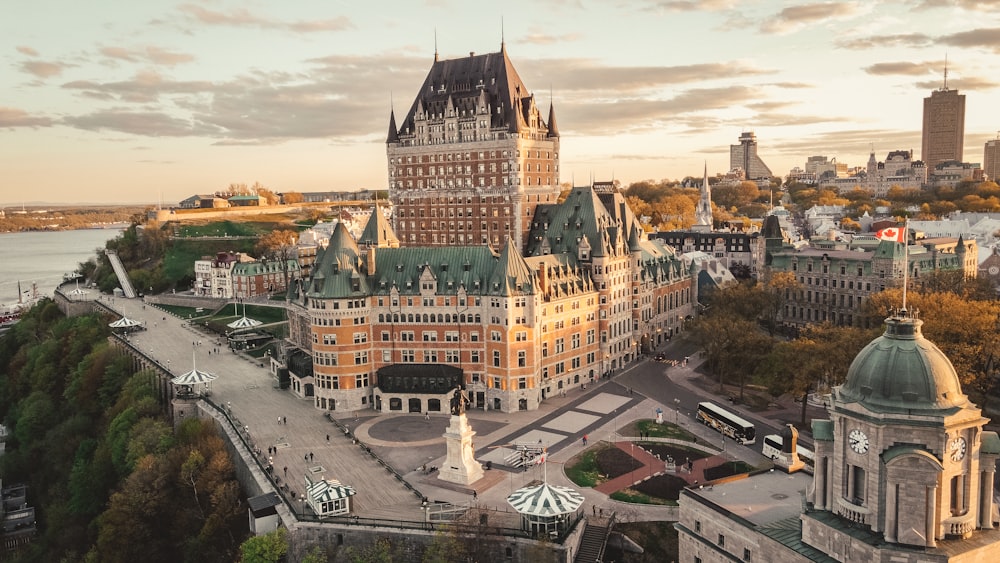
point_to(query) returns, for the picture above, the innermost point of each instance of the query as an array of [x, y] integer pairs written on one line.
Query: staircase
[[116, 264], [592, 543]]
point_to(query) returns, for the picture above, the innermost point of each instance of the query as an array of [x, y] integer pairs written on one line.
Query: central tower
[[473, 157]]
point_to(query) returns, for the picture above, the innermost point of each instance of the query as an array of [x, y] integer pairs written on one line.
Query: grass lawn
[[654, 430], [178, 263]]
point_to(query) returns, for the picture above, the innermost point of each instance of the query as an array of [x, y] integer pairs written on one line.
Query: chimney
[[370, 265], [543, 279]]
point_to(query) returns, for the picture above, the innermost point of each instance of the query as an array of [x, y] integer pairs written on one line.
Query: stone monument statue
[[460, 466]]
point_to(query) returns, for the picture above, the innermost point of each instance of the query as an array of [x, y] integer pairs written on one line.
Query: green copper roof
[[559, 228], [255, 268], [903, 371], [991, 443], [822, 430], [378, 231]]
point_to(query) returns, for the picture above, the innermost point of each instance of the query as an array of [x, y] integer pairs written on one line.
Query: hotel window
[[386, 356], [722, 540], [746, 554], [496, 358], [475, 356], [522, 359], [360, 358]]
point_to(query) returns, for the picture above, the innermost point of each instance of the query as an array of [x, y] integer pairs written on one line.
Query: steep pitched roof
[[378, 232], [553, 128], [337, 271], [393, 132], [560, 227], [468, 83], [511, 276]]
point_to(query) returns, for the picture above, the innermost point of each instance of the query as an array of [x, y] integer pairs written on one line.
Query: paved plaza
[[300, 440]]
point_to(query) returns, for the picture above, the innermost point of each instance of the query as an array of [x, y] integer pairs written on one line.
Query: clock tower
[[903, 456]]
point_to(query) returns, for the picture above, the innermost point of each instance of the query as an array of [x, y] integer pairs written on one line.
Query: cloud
[[848, 142], [43, 69], [25, 50], [970, 83], [148, 124], [154, 55], [13, 117], [904, 68], [538, 38], [587, 75], [146, 86], [691, 5], [972, 5], [880, 41], [794, 18], [242, 17], [987, 38]]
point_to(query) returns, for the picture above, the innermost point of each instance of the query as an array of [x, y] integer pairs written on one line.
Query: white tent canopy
[[545, 500], [125, 322], [244, 322], [194, 377]]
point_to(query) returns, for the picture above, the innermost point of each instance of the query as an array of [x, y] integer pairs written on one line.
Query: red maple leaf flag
[[895, 234]]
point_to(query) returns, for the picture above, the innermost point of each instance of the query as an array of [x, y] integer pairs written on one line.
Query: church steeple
[[703, 213]]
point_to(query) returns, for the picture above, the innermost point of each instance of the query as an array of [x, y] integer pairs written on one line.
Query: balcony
[[962, 526], [853, 512]]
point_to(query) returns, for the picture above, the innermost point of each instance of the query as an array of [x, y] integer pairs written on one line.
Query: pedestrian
[[594, 506], [286, 420], [286, 471], [306, 457], [427, 415], [279, 420], [475, 495], [310, 456], [327, 437], [584, 439]]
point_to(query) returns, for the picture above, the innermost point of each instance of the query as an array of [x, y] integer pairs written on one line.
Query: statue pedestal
[[460, 466]]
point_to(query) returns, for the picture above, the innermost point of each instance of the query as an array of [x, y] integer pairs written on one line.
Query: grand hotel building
[[492, 284]]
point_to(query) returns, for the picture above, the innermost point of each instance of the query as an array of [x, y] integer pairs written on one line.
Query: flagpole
[[906, 263]]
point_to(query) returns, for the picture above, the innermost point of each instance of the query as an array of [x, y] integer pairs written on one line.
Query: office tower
[[744, 156], [473, 157], [944, 126], [991, 159]]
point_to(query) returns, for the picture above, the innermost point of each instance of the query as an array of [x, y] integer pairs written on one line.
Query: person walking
[[584, 439]]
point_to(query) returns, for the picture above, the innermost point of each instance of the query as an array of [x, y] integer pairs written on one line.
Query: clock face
[[956, 449], [858, 441]]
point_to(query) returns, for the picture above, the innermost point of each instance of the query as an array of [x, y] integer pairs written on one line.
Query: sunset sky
[[125, 102]]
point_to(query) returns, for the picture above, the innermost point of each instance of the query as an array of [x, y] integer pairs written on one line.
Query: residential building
[[951, 172], [944, 126], [473, 157], [397, 329], [904, 472], [733, 249], [991, 159], [744, 156], [213, 277], [263, 278]]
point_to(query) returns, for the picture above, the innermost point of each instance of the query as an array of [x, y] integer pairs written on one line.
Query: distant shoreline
[[57, 228]]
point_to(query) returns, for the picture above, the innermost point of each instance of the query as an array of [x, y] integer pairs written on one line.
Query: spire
[[703, 212], [435, 45], [393, 136], [553, 128]]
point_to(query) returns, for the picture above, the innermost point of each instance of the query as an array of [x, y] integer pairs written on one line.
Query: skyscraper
[[473, 157], [744, 156], [944, 126], [991, 159]]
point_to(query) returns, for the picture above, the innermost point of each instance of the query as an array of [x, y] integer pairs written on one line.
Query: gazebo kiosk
[[329, 497], [546, 509]]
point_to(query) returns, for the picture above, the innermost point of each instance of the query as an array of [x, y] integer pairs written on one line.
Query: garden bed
[[599, 464]]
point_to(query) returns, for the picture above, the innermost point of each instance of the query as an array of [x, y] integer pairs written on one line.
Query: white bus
[[727, 423], [772, 449]]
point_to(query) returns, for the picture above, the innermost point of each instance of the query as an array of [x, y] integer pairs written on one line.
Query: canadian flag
[[894, 234], [541, 459]]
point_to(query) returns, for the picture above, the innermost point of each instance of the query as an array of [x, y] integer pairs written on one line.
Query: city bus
[[772, 449], [726, 422]]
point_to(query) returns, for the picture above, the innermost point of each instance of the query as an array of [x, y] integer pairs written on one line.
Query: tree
[[778, 286], [279, 245], [269, 548], [291, 198]]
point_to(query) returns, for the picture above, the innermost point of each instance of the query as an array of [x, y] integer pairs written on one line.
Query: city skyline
[[157, 101]]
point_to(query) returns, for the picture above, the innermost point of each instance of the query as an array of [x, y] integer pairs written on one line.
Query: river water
[[43, 257]]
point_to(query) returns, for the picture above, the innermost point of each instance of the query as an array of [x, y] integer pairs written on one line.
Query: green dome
[[902, 370]]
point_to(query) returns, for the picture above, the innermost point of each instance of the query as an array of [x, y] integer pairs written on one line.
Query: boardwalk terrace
[[590, 295]]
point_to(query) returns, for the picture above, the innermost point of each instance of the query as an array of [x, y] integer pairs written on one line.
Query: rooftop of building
[[762, 499]]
